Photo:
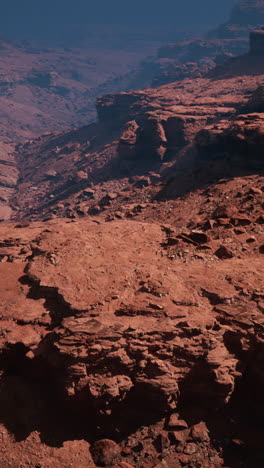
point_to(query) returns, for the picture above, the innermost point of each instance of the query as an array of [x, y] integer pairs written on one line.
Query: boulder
[[224, 252], [105, 452]]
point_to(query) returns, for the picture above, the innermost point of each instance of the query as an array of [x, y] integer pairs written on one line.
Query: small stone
[[105, 452], [156, 306], [81, 175], [260, 220], [179, 437], [224, 253], [51, 174], [190, 449], [241, 220], [209, 224], [225, 211], [223, 221], [255, 191], [199, 432], [111, 196], [176, 423], [172, 241], [199, 237], [238, 442], [140, 181], [251, 239], [88, 193], [4, 259], [119, 214]]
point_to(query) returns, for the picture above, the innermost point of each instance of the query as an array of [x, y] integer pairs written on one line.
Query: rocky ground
[[144, 335], [131, 278]]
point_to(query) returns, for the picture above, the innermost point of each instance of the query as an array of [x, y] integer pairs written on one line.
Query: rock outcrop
[[138, 345]]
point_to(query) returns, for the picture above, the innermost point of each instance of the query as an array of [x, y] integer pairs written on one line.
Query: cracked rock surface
[[129, 346]]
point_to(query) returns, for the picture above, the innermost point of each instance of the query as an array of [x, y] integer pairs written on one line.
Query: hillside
[[132, 281]]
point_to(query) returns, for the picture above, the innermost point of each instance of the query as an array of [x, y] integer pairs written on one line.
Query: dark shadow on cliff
[[113, 170], [236, 427], [247, 64], [33, 398], [207, 173]]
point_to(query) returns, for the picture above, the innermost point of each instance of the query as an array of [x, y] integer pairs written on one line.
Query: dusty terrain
[[131, 281]]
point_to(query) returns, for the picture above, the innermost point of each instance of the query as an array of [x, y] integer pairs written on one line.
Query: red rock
[[51, 174], [251, 239], [199, 432], [140, 182], [223, 221], [88, 193], [209, 224], [111, 196], [176, 423], [225, 211], [260, 220], [190, 449], [172, 240], [224, 252], [241, 220], [255, 191], [199, 237], [81, 175], [105, 452], [238, 442], [179, 437]]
